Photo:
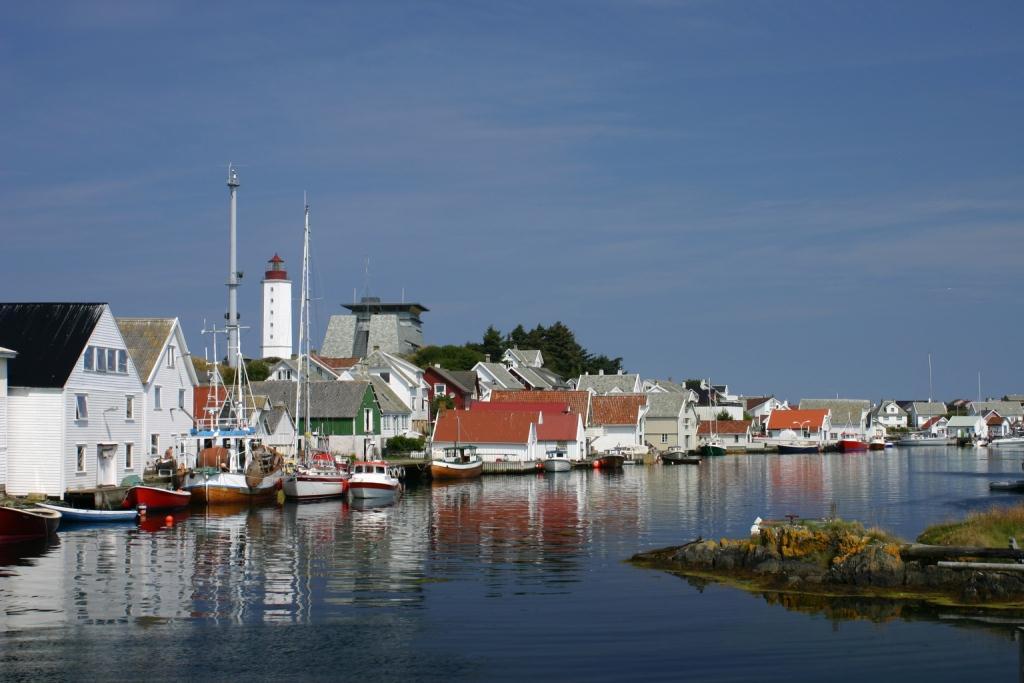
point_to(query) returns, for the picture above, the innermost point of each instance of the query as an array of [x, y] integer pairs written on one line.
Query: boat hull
[[372, 489], [711, 450], [557, 465], [314, 487], [1017, 486], [1007, 442], [232, 489], [440, 469], [18, 525], [676, 458], [610, 462], [156, 499], [90, 516], [791, 448], [927, 441], [851, 446], [876, 446]]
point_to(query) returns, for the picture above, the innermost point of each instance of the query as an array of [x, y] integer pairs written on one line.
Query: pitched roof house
[[458, 385], [516, 357], [812, 423], [158, 349], [671, 420], [72, 418], [920, 411], [579, 402], [888, 413], [848, 416], [618, 422], [602, 384], [497, 435], [732, 434], [494, 376], [1011, 410]]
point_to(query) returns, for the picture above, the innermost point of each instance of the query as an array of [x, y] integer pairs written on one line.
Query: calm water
[[501, 578]]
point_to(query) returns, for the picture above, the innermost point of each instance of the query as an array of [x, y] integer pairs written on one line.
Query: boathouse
[[74, 407], [499, 435]]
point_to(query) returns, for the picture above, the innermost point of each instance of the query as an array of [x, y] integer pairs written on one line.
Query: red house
[[458, 385]]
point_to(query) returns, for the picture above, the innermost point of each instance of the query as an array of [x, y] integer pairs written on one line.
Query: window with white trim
[[80, 457], [181, 399], [154, 444], [122, 361], [129, 407], [156, 398], [88, 362], [664, 438], [81, 407], [439, 389], [170, 356], [129, 453], [367, 420]]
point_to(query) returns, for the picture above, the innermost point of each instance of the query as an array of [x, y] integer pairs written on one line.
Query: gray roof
[[1004, 408], [671, 387], [275, 415], [963, 420], [844, 411], [552, 377], [527, 356], [531, 377], [605, 384], [878, 409], [928, 408], [665, 405], [327, 399], [465, 380], [145, 339], [386, 397], [503, 376], [1015, 397]]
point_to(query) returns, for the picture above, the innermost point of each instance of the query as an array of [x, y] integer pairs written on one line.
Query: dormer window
[[170, 356]]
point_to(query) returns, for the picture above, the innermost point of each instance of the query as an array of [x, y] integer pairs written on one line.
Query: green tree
[[609, 365], [723, 414], [450, 357], [493, 344], [258, 370]]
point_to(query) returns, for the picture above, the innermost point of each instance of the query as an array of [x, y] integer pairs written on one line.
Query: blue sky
[[799, 198]]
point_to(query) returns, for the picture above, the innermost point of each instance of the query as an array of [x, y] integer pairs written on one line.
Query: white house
[[618, 421], [497, 435], [395, 416], [160, 355], [278, 430], [967, 426], [5, 355], [74, 408], [288, 369], [1011, 410], [515, 357], [849, 417], [889, 415], [494, 376], [405, 379], [922, 411]]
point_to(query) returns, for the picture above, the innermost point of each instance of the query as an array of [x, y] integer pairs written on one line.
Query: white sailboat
[[317, 475]]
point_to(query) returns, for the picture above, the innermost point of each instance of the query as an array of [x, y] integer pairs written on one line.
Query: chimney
[[487, 358], [622, 372], [601, 371], [437, 365]]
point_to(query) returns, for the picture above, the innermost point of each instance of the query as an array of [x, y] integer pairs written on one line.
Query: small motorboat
[[852, 445], [923, 439], [798, 447], [1017, 486], [609, 461], [26, 524], [458, 462], [155, 499], [680, 458], [82, 515], [876, 444], [373, 479], [712, 448], [322, 478], [1008, 442], [557, 461]]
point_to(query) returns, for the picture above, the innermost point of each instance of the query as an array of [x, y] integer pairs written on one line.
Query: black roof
[[49, 338]]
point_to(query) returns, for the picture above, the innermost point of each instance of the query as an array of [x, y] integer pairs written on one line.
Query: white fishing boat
[[317, 476], [923, 439], [373, 479], [557, 461], [1007, 442]]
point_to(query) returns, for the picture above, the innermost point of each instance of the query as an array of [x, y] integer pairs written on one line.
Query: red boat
[[25, 525], [156, 499], [850, 445]]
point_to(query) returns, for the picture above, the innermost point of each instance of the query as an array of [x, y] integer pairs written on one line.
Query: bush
[[404, 444]]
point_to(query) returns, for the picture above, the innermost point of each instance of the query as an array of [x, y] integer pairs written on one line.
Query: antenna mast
[[232, 315]]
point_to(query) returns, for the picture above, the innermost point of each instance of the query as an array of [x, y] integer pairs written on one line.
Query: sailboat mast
[[305, 308], [929, 378]]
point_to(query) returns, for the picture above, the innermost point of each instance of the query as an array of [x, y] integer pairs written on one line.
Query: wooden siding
[[35, 441], [169, 421]]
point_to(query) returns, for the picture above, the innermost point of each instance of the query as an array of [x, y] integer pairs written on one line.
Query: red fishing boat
[[852, 444], [17, 524], [156, 499]]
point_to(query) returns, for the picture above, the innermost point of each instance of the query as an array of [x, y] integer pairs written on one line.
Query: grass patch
[[990, 529]]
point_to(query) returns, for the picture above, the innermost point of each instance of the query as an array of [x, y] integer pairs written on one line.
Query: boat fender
[[141, 510]]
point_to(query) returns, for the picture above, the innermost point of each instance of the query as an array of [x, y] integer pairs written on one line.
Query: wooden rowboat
[[19, 524]]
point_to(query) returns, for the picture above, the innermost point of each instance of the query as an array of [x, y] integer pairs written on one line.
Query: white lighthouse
[[277, 311]]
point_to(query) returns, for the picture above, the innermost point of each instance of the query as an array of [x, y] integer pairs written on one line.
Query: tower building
[[389, 327], [277, 311]]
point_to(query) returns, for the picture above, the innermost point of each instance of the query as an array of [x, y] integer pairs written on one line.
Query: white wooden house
[[158, 350], [404, 378], [5, 355], [618, 421], [73, 418], [967, 426]]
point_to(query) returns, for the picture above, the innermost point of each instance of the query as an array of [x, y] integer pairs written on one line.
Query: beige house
[[672, 421]]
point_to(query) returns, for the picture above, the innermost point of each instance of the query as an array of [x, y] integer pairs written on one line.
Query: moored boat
[[238, 475], [680, 458], [919, 439], [798, 447], [876, 444], [458, 462], [1017, 485], [713, 447], [154, 498], [373, 479], [849, 444], [90, 516], [26, 524], [1007, 441], [557, 461], [609, 461], [323, 478]]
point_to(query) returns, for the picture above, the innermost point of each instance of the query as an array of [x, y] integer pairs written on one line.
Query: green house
[[345, 414]]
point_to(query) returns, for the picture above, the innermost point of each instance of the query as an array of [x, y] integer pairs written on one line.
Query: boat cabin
[[464, 453]]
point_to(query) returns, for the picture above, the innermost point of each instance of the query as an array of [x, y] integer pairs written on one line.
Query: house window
[[101, 360], [111, 360], [156, 398], [81, 407], [386, 376], [181, 399], [122, 361], [439, 390], [367, 420], [170, 356], [129, 452], [87, 361], [154, 444], [129, 407], [80, 457]]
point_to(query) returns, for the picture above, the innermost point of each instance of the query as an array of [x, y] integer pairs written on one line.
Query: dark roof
[[328, 399], [464, 380], [49, 339]]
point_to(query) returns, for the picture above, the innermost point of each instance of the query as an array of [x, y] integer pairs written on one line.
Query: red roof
[[483, 426], [201, 401], [579, 401], [546, 408], [276, 259], [812, 418], [620, 409], [995, 419], [558, 427], [931, 421], [723, 426], [756, 401]]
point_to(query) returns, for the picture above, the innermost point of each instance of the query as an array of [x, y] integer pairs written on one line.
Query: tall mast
[[304, 309], [232, 316], [929, 377]]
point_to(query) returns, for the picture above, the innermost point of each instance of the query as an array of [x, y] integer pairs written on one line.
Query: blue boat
[[91, 516]]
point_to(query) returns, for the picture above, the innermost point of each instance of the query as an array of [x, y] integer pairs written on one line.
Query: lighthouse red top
[[276, 270]]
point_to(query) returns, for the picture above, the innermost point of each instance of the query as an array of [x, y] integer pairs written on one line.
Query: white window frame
[[170, 356], [664, 438], [181, 399], [80, 463], [157, 402], [88, 360], [122, 361], [81, 406], [129, 453], [111, 360], [154, 444], [129, 406], [101, 359], [368, 420], [439, 389]]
